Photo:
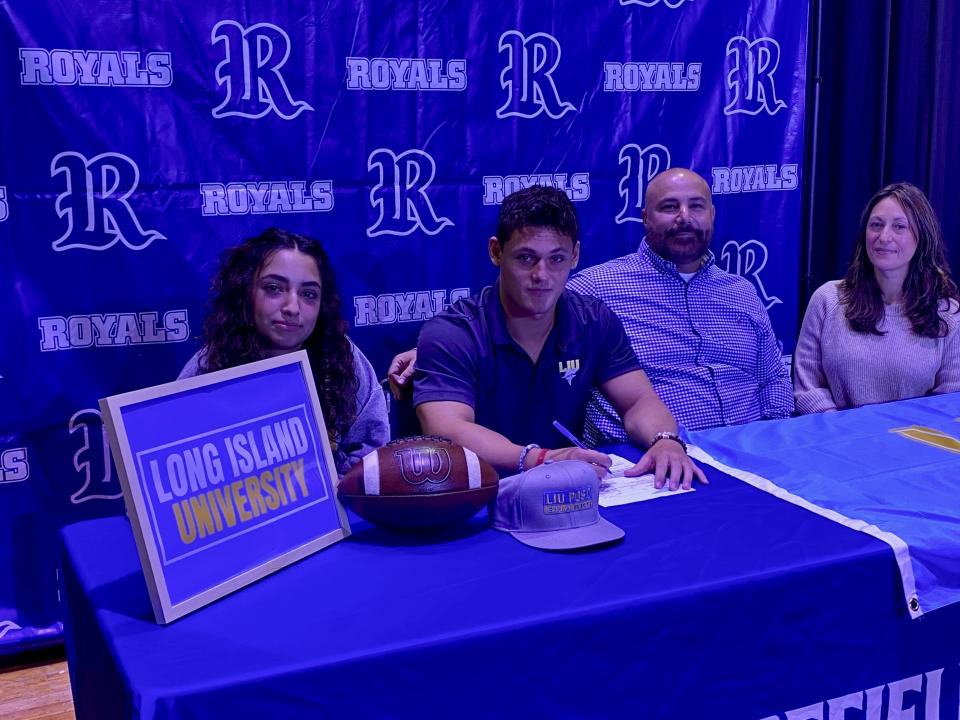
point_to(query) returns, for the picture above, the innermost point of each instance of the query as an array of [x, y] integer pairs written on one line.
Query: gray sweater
[[370, 429], [836, 367]]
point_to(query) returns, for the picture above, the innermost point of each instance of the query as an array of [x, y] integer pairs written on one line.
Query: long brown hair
[[231, 338], [928, 287]]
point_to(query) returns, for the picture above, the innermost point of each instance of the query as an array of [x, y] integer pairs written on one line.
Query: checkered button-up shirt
[[706, 344]]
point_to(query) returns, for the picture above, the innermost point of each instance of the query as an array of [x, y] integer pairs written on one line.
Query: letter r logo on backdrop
[[400, 194], [528, 76], [672, 4], [750, 85], [642, 164], [7, 626], [250, 71], [747, 259], [95, 203], [92, 461]]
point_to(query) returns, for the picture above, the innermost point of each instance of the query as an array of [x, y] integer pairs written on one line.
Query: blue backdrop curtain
[[889, 102], [139, 140]]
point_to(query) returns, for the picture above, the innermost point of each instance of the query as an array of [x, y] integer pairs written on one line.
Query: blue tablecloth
[[722, 603], [892, 470]]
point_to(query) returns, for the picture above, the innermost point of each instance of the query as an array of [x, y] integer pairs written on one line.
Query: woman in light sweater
[[275, 293], [889, 329]]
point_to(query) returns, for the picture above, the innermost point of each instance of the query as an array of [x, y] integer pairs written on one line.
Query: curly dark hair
[[537, 206], [230, 337], [928, 287]]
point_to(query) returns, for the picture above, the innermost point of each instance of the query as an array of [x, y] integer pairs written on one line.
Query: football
[[418, 483]]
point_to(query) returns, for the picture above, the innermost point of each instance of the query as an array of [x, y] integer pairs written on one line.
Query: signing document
[[615, 489]]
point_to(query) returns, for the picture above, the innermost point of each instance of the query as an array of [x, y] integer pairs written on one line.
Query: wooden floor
[[32, 693]]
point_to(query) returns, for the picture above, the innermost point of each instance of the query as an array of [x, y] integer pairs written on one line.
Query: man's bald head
[[678, 215], [672, 178]]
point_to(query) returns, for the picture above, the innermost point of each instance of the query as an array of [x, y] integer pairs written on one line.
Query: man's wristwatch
[[667, 435]]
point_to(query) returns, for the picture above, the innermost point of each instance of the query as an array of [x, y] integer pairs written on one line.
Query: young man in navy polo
[[495, 371]]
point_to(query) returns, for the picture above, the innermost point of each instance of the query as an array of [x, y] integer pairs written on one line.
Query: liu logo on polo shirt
[[569, 369]]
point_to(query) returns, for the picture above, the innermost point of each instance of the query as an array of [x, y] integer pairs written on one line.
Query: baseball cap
[[554, 507]]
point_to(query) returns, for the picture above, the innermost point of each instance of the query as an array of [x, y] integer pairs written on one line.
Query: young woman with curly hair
[[889, 329], [276, 293]]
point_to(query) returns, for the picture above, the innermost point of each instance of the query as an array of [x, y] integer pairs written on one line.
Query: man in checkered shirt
[[701, 334]]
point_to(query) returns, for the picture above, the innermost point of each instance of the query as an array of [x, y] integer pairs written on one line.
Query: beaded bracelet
[[523, 455], [667, 435]]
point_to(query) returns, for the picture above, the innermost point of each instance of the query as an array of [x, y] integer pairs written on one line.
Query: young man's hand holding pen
[[600, 461], [667, 460]]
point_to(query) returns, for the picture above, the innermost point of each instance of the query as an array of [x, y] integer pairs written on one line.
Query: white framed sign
[[227, 477]]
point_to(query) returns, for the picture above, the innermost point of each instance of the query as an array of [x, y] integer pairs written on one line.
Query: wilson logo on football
[[423, 464]]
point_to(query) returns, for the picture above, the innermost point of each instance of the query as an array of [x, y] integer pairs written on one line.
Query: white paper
[[619, 464], [615, 489]]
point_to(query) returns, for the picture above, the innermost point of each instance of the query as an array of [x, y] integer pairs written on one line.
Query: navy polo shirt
[[465, 354]]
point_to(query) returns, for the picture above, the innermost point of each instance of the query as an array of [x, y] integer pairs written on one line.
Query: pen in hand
[[569, 435], [576, 441]]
